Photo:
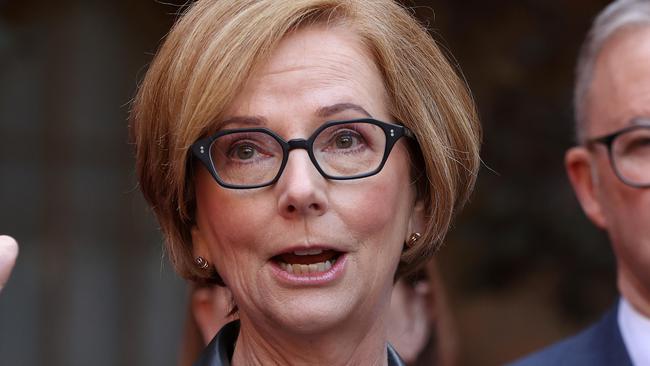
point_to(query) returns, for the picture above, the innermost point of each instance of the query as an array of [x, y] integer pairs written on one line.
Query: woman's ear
[[199, 244], [416, 221], [579, 165]]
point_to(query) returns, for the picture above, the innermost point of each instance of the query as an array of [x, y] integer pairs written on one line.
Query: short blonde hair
[[213, 48]]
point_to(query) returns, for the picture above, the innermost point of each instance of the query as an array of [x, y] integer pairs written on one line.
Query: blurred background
[[523, 266]]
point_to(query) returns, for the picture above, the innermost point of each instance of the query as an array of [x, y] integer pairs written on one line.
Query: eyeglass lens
[[246, 158], [631, 156], [342, 150]]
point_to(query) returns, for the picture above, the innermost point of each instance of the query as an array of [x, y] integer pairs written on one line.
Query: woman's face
[[357, 226]]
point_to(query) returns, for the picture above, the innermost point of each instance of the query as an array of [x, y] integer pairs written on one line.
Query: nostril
[[311, 207]]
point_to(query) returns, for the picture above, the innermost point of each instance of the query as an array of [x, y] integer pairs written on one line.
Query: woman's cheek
[[233, 213], [369, 209]]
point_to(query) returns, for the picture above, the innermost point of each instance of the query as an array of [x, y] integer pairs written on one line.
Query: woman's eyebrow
[[323, 112], [640, 121], [330, 110], [249, 121]]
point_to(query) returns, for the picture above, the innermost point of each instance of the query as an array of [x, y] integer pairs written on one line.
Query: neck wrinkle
[[340, 348]]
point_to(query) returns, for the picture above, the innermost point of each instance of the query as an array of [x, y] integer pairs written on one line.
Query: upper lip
[[303, 247]]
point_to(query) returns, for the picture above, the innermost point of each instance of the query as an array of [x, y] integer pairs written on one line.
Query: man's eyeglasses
[[255, 157], [629, 153]]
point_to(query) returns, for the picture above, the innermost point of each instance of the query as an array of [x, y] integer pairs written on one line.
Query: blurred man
[[610, 173]]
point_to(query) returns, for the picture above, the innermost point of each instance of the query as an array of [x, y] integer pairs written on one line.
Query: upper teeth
[[308, 252]]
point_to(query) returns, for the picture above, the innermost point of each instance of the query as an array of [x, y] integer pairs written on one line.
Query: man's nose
[[301, 188]]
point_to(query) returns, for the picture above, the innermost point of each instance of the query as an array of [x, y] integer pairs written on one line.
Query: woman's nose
[[301, 188]]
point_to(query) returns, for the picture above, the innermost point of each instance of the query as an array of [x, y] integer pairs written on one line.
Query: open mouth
[[307, 261]]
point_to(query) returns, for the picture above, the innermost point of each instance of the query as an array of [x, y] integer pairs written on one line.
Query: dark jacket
[[599, 345], [219, 352]]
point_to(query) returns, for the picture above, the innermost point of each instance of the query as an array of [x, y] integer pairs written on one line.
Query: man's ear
[[211, 307], [204, 314], [409, 320], [579, 165]]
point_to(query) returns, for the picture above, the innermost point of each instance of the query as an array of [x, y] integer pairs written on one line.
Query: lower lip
[[321, 278]]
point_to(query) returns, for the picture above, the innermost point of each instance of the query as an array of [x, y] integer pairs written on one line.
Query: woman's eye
[[243, 151], [344, 141]]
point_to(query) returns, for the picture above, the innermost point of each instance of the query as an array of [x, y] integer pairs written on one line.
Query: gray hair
[[619, 15]]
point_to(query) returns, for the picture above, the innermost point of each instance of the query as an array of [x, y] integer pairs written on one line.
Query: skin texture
[[620, 92], [340, 322], [8, 254]]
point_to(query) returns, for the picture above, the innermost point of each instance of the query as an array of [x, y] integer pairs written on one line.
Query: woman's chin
[[309, 311], [312, 316]]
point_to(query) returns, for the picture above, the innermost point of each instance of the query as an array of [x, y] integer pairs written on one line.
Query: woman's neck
[[346, 345]]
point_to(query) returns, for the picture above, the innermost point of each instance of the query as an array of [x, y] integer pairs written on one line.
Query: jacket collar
[[220, 350]]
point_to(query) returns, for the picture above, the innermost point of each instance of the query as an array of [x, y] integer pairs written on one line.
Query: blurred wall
[[90, 286], [523, 266]]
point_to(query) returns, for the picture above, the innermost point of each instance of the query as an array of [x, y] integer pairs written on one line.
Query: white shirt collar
[[635, 329]]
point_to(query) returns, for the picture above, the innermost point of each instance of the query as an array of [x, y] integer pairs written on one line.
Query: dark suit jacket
[[601, 344], [219, 352]]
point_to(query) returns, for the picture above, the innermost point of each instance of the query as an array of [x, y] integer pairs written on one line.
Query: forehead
[[620, 89], [335, 49], [312, 68]]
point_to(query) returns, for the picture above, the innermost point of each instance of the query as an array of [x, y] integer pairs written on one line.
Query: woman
[[304, 154]]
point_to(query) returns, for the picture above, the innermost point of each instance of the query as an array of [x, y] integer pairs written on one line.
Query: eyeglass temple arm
[[605, 140], [408, 133]]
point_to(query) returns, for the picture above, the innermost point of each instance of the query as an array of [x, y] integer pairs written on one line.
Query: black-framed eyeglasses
[[629, 153], [341, 150]]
